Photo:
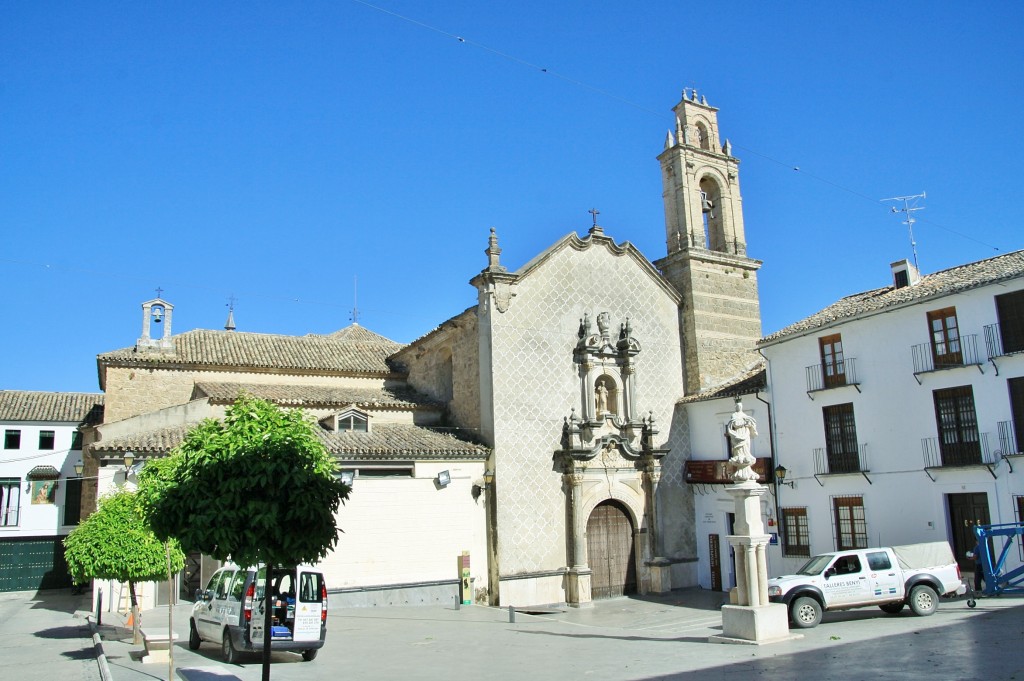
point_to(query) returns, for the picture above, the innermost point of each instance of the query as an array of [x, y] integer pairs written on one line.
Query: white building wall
[[39, 519], [713, 505], [893, 412], [410, 530]]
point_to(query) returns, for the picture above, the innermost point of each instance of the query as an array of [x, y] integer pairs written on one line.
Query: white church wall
[[536, 385]]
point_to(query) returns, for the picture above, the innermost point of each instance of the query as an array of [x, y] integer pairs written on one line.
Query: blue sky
[[278, 152]]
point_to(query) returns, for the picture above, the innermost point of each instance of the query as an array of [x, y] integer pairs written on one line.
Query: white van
[[230, 611]]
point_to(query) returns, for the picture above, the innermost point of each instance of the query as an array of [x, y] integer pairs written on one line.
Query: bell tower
[[707, 250]]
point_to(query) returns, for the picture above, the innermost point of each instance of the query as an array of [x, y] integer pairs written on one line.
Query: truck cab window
[[879, 560], [847, 565]]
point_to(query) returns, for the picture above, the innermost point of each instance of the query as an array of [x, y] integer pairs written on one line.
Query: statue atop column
[[741, 428]]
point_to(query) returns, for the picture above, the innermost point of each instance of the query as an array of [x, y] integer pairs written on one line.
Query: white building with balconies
[[898, 413]]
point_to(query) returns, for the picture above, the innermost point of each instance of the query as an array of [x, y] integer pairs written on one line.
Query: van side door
[[206, 613], [221, 606]]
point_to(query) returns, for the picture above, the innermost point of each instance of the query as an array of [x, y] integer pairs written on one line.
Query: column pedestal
[[752, 620], [577, 588]]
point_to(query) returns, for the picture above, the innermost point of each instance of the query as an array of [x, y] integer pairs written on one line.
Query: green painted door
[[33, 563]]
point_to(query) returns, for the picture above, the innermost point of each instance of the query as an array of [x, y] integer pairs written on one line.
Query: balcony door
[[945, 337]]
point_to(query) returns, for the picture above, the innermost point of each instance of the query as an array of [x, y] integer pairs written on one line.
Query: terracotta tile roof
[[946, 282], [354, 332], [351, 350], [387, 441], [28, 405], [316, 395], [149, 443], [753, 380], [401, 442]]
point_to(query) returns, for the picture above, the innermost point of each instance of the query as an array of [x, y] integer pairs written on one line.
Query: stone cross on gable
[[594, 213]]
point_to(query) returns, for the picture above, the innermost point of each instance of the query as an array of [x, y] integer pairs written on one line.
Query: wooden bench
[[158, 642]]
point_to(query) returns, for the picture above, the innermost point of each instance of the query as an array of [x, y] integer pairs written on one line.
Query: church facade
[[552, 405]]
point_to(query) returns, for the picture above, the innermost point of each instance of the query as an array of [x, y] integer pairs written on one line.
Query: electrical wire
[[610, 95]]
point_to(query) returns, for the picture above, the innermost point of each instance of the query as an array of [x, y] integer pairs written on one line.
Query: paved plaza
[[48, 637]]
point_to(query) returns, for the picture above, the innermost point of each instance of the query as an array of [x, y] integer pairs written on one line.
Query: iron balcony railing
[[826, 376], [972, 450], [832, 463], [993, 341], [1009, 445], [961, 353]]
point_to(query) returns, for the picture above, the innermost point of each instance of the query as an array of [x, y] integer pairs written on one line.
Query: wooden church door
[[610, 551]]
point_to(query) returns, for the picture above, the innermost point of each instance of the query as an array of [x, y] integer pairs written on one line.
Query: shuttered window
[[958, 426], [1010, 309], [850, 524], [841, 438], [796, 534]]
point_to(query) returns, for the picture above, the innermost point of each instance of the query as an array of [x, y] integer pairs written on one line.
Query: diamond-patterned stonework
[[536, 385]]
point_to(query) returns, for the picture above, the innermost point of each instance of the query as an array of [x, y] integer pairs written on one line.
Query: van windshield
[[815, 565]]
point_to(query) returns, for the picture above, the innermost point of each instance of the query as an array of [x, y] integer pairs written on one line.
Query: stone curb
[[101, 656]]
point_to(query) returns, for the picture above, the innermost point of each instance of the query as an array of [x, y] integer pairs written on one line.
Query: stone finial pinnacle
[[669, 141], [493, 252]]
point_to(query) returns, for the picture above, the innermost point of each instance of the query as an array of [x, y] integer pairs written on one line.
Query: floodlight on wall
[[444, 478], [129, 459], [780, 476], [79, 467]]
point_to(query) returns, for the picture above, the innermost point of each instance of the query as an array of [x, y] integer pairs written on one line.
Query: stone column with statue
[[749, 618]]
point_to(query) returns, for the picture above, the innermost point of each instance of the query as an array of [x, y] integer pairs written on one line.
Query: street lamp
[[780, 476]]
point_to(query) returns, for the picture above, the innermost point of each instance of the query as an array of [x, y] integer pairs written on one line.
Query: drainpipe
[[771, 439]]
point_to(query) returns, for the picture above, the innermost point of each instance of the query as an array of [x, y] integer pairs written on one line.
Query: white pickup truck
[[914, 575]]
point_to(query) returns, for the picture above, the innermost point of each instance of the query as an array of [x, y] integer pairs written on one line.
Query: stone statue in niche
[[604, 397], [741, 428], [601, 399]]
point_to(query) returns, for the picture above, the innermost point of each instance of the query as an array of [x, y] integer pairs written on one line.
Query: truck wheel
[[805, 612], [309, 655], [923, 600], [193, 636], [892, 608], [227, 649]]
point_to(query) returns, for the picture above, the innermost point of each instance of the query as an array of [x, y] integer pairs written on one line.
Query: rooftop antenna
[[909, 206], [355, 299]]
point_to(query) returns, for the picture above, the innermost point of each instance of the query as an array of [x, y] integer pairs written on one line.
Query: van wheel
[[193, 636], [892, 608], [309, 655], [227, 649], [805, 612], [923, 600]]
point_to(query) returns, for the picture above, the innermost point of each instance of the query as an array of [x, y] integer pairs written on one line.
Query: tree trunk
[[267, 620], [136, 614]]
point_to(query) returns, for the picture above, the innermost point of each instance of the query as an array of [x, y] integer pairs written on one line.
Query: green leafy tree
[[115, 542], [257, 487]]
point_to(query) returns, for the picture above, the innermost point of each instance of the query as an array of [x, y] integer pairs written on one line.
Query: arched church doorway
[[610, 551]]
